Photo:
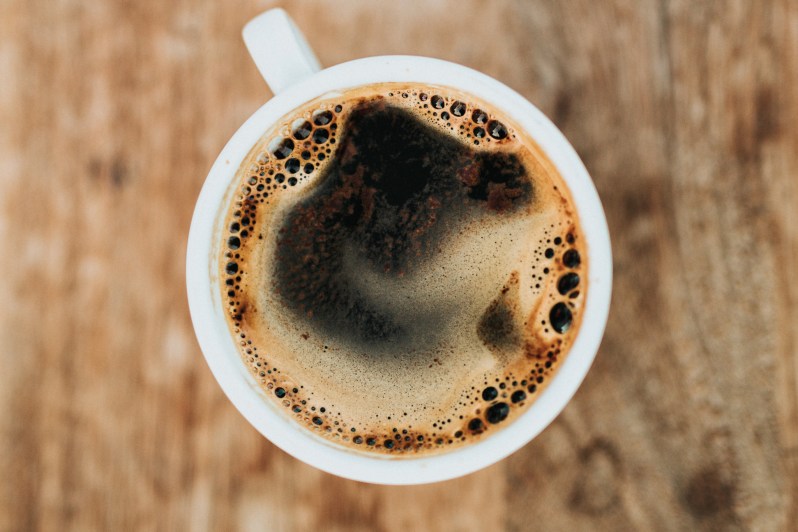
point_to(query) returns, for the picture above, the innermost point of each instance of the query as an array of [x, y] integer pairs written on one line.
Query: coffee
[[403, 268]]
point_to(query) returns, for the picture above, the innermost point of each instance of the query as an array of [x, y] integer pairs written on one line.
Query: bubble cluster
[[524, 345]]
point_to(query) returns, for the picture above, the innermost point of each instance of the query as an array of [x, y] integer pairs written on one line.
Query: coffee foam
[[484, 323]]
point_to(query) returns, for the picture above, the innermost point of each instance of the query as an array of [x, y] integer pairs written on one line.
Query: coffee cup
[[290, 68]]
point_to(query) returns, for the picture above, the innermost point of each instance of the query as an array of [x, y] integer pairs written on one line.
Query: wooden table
[[686, 114]]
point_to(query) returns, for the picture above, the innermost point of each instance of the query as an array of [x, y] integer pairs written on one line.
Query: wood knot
[[708, 493]]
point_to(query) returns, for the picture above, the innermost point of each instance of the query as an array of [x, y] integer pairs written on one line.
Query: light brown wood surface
[[686, 114]]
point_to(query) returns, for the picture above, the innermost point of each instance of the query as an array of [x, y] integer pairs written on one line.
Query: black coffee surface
[[395, 188], [402, 268]]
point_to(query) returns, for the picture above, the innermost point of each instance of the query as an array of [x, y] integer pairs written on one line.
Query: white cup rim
[[239, 385]]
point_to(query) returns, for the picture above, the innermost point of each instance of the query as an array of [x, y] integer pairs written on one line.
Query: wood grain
[[685, 113]]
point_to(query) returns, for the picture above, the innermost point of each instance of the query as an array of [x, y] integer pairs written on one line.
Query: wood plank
[[685, 114]]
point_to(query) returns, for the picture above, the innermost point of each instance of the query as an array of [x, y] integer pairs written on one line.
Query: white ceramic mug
[[292, 71]]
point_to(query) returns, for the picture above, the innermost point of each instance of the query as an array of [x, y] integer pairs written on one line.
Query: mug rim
[[227, 365]]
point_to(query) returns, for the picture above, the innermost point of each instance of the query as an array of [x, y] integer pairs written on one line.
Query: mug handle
[[280, 51]]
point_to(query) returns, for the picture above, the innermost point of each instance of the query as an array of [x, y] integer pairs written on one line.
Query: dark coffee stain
[[496, 328], [242, 310], [708, 493], [595, 491]]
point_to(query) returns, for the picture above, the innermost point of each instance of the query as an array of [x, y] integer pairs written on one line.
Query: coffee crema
[[403, 268]]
